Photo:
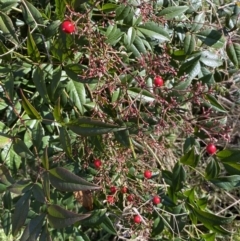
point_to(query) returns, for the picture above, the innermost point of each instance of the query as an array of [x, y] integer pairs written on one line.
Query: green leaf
[[39, 81], [38, 193], [7, 27], [51, 29], [66, 142], [191, 67], [213, 103], [20, 213], [198, 22], [179, 176], [122, 12], [30, 110], [212, 169], [210, 59], [109, 7], [131, 35], [107, 225], [46, 185], [141, 95], [6, 56], [6, 6], [77, 94], [228, 183], [33, 229], [190, 158], [61, 218], [155, 31], [211, 219], [95, 219], [21, 149], [45, 160], [233, 52], [6, 219], [189, 43], [173, 12], [31, 14], [32, 49], [209, 236], [65, 180], [212, 38], [4, 140], [5, 176], [57, 112], [158, 225], [91, 127], [113, 34]]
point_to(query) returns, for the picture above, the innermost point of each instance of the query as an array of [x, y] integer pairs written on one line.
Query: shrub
[[70, 98]]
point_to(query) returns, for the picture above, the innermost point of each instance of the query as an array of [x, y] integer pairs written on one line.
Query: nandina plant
[[95, 93]]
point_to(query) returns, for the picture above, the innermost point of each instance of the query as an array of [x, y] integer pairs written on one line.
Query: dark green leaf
[[31, 14], [30, 110], [190, 158], [21, 149], [95, 219], [214, 103], [32, 49], [66, 142], [155, 31], [212, 38], [65, 180], [39, 81], [61, 218], [6, 26], [228, 183], [33, 228], [107, 225], [233, 52], [212, 169], [20, 213]]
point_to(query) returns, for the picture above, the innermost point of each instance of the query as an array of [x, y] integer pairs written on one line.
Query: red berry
[[137, 219], [130, 197], [156, 200], [113, 189], [148, 174], [211, 149], [124, 190], [158, 81], [68, 27], [97, 163], [110, 199]]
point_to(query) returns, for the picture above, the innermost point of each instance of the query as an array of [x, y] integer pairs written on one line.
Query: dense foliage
[[116, 119]]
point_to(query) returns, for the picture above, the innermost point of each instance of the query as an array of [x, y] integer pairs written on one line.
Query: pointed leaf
[[228, 183], [155, 31], [214, 103], [32, 49], [107, 225], [20, 213], [91, 127], [30, 110], [233, 52], [31, 14], [77, 94], [65, 142], [33, 229], [189, 43], [21, 149], [212, 38], [65, 180], [61, 218], [39, 81], [210, 59], [173, 12], [7, 27], [46, 185], [198, 22], [45, 160], [95, 219]]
